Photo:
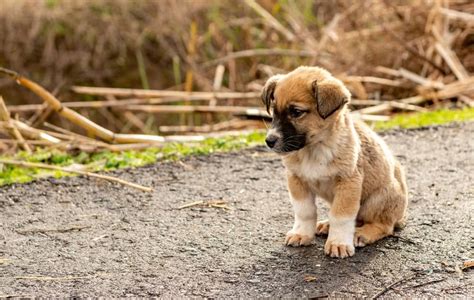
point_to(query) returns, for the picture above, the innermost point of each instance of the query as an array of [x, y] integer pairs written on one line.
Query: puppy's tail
[[400, 177]]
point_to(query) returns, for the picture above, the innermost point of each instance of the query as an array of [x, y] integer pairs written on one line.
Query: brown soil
[[79, 236]]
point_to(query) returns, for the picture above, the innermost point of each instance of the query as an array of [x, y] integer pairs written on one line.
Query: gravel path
[[79, 236]]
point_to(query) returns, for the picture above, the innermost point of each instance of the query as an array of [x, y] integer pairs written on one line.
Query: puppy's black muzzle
[[271, 141]]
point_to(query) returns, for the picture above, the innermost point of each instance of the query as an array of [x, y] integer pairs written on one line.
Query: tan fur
[[343, 162]]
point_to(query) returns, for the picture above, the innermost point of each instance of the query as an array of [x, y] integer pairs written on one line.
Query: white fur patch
[[315, 164], [341, 230], [305, 217]]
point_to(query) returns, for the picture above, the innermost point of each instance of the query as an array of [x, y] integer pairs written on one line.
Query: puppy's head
[[304, 104]]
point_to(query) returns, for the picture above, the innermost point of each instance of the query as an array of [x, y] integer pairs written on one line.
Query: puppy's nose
[[271, 140]]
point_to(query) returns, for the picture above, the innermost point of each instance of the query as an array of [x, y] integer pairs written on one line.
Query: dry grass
[[97, 41], [178, 44]]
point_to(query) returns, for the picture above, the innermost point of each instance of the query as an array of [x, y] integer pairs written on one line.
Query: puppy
[[328, 154]]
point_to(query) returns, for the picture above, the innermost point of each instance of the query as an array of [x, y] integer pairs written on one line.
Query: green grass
[[438, 117], [106, 160]]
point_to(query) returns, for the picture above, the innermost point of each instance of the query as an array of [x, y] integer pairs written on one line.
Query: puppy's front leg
[[304, 207], [342, 217]]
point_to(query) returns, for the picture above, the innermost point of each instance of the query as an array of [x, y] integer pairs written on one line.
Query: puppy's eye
[[295, 112]]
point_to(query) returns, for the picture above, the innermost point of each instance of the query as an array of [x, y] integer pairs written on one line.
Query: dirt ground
[[80, 236]]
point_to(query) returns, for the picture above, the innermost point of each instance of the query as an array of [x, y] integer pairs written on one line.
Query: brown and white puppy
[[329, 155]]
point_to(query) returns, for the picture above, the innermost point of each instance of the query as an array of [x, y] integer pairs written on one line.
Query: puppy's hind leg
[[304, 207], [370, 233], [381, 214]]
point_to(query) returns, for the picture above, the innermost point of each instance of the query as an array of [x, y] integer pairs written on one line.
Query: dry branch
[[79, 119], [390, 286], [69, 170], [34, 133], [140, 93], [10, 127], [207, 203], [450, 90], [243, 110], [452, 61], [372, 79], [420, 80], [148, 101]]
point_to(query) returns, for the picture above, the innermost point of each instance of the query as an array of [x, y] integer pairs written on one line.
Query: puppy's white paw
[[302, 233], [296, 240], [322, 228], [338, 248]]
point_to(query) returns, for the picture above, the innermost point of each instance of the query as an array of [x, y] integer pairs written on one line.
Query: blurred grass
[[438, 117], [107, 161]]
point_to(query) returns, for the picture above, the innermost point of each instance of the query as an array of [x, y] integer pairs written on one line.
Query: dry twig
[[391, 286], [207, 203], [11, 128]]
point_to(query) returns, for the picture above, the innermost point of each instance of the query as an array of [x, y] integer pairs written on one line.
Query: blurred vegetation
[[130, 43]]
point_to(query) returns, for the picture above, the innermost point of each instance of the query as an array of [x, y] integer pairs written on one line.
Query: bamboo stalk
[[12, 130], [255, 111], [372, 79], [75, 136], [450, 90], [79, 119], [36, 134], [68, 170], [420, 80], [139, 93], [123, 102], [364, 102], [387, 71], [406, 106], [69, 114], [53, 138]]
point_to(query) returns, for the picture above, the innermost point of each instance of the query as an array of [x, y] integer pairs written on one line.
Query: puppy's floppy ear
[[329, 97], [268, 91]]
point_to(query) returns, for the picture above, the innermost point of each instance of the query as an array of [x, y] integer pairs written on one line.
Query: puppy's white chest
[[315, 165]]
